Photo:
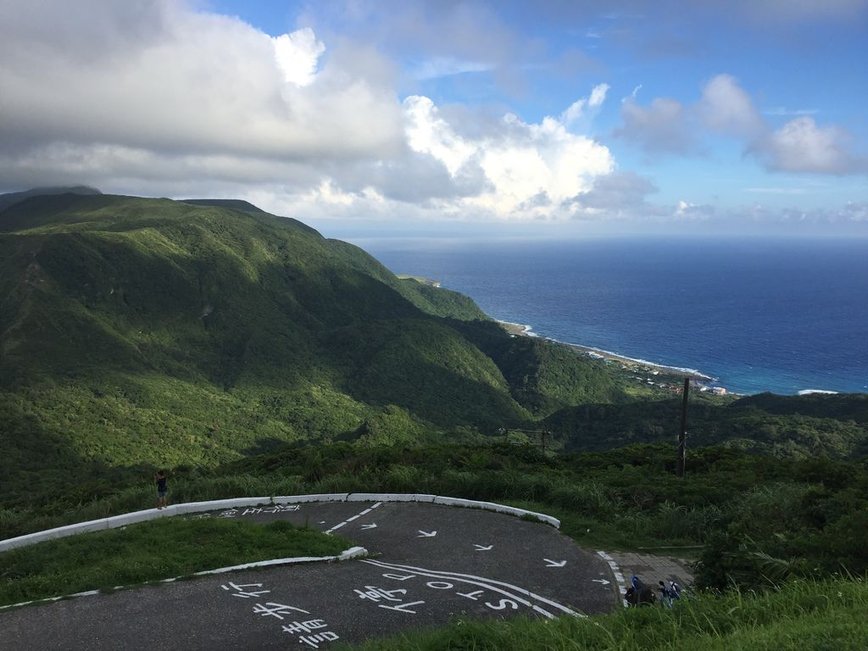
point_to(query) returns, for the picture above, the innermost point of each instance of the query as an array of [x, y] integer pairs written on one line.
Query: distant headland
[[641, 370]]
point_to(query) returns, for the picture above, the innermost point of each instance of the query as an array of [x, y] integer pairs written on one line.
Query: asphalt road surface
[[429, 564]]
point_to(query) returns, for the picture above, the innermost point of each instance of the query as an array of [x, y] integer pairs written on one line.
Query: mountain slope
[[148, 331], [783, 426]]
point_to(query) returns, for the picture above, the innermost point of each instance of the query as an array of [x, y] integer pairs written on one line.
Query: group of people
[[641, 594]]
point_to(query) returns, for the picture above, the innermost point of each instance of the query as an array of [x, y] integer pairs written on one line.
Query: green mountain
[[10, 198], [148, 331], [141, 332]]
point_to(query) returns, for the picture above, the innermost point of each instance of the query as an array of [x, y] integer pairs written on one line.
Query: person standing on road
[[162, 488]]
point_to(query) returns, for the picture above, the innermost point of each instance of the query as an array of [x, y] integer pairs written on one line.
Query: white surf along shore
[[702, 380]]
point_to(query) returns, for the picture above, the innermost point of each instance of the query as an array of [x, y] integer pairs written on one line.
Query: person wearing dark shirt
[[162, 488]]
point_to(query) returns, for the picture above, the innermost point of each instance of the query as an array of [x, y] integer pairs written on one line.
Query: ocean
[[779, 315]]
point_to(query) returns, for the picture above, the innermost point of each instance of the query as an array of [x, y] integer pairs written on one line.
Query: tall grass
[[802, 615], [150, 551], [802, 516]]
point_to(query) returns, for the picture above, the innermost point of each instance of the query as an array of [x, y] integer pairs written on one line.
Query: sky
[[549, 118]]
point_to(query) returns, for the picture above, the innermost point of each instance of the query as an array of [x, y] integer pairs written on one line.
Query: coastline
[[628, 363]]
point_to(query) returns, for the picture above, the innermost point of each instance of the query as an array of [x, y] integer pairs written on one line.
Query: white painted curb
[[619, 576], [499, 508], [391, 497], [116, 521], [346, 555]]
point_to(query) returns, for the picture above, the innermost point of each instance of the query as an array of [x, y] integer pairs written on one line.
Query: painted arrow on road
[[369, 526], [426, 534], [551, 563], [483, 548], [600, 581]]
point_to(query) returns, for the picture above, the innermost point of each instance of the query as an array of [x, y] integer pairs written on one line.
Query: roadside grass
[[748, 520], [593, 521], [150, 551], [802, 614]]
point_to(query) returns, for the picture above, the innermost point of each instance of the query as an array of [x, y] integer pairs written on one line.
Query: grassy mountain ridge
[[149, 331], [10, 198]]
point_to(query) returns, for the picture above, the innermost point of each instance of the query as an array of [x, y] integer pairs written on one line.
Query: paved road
[[430, 564]]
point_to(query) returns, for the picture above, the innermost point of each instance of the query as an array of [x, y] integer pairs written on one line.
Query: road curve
[[429, 564]]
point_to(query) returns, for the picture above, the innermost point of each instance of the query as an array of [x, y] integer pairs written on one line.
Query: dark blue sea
[[758, 315]]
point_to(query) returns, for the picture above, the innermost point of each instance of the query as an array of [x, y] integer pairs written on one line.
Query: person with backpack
[[639, 593]]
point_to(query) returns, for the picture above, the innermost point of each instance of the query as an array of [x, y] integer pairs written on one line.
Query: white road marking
[[426, 534], [404, 608], [483, 548], [348, 520], [600, 581], [373, 525], [619, 577], [551, 563], [511, 591]]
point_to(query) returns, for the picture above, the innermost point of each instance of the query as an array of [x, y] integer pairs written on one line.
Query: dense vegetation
[[782, 426], [140, 332], [152, 332], [753, 520], [252, 356], [803, 615]]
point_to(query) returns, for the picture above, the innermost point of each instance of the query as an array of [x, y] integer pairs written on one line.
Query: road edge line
[[618, 574], [346, 555]]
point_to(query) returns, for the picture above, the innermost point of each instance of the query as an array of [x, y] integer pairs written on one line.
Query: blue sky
[[549, 117]]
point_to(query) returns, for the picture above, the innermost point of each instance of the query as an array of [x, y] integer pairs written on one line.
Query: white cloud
[[188, 82], [194, 103], [297, 55], [633, 95], [329, 194], [668, 126], [158, 97], [579, 108], [511, 170], [686, 211], [598, 95], [802, 146], [724, 107], [429, 133], [529, 169], [663, 126], [783, 111], [437, 67], [616, 195], [727, 108]]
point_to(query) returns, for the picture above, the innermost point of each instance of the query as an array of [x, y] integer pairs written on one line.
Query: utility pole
[[682, 435]]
